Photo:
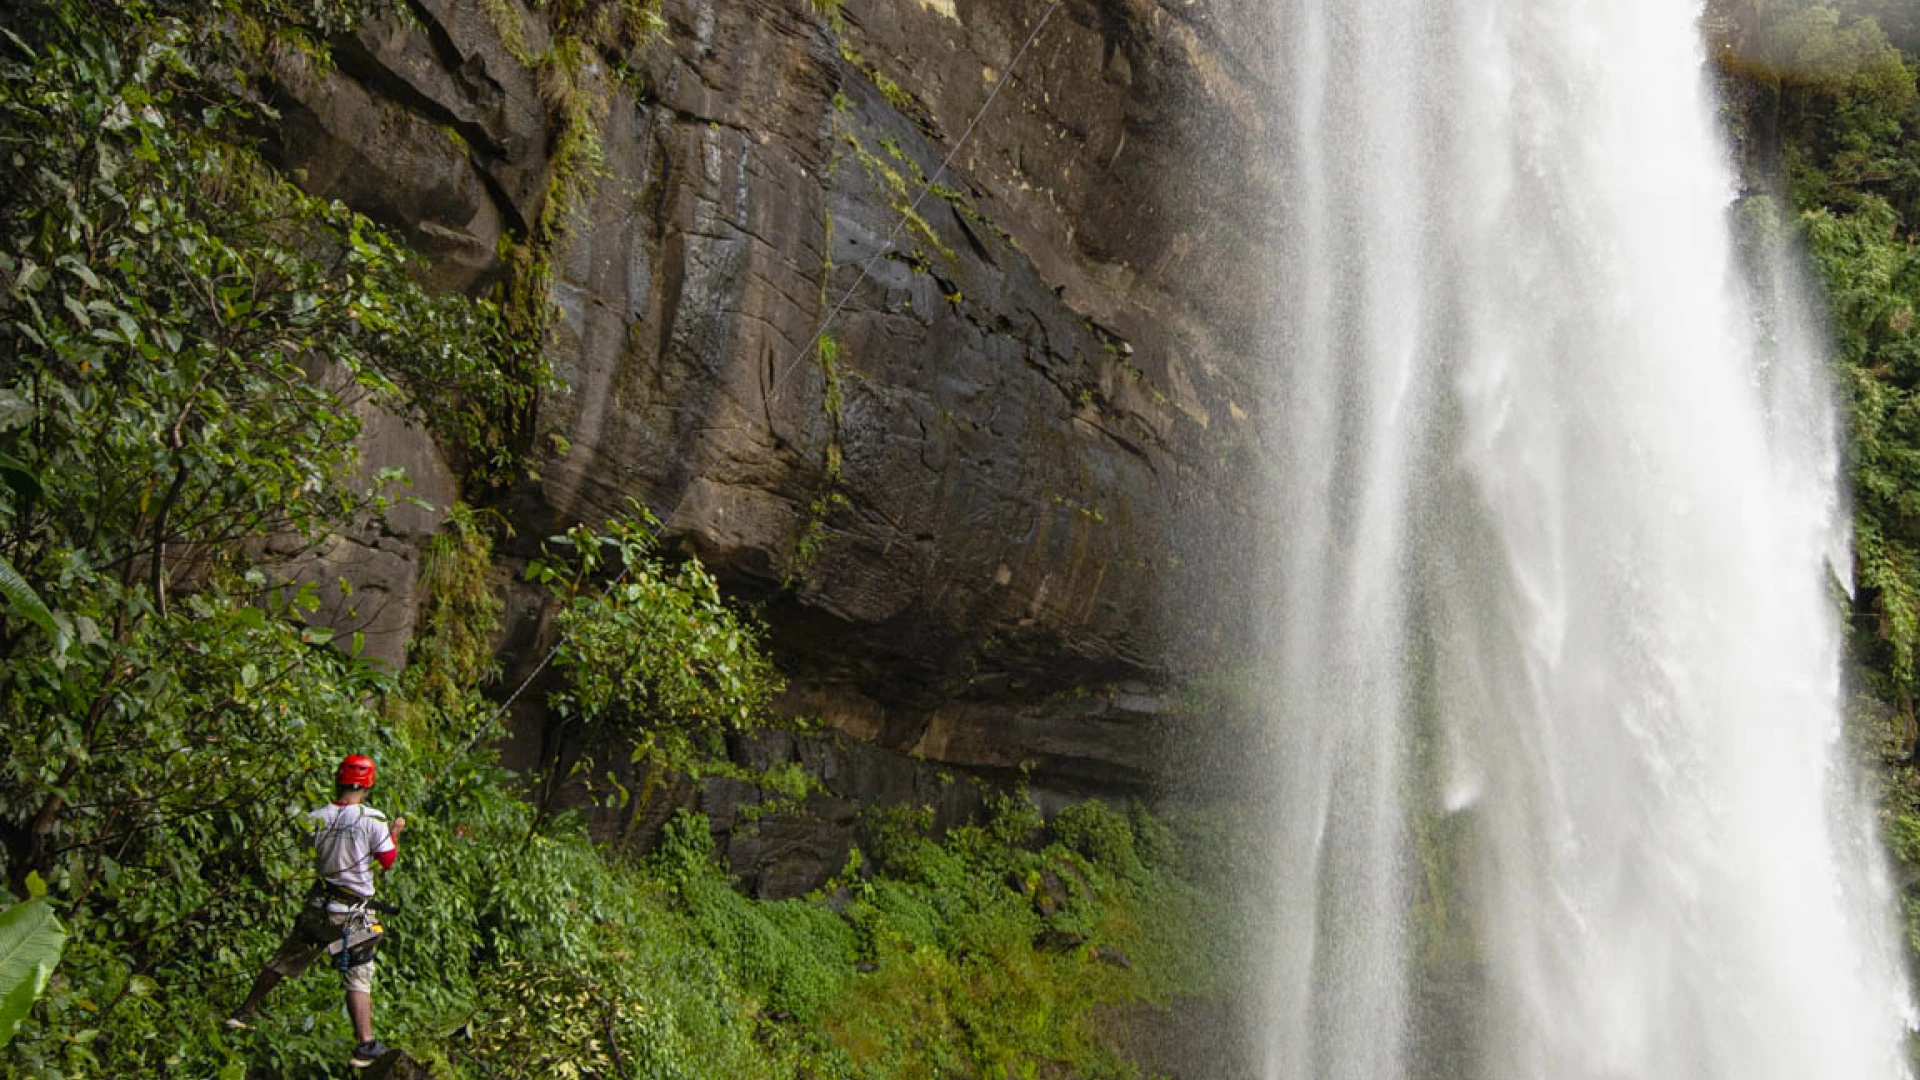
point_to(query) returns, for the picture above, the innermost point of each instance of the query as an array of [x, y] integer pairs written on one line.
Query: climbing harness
[[362, 934], [360, 938]]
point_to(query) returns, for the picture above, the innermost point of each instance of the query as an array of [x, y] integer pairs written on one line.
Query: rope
[[833, 313]]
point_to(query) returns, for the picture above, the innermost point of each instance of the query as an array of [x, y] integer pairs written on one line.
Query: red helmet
[[355, 771]]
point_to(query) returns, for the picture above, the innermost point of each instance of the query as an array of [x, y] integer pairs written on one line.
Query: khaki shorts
[[314, 930]]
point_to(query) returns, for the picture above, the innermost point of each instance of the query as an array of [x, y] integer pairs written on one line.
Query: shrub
[[1100, 834]]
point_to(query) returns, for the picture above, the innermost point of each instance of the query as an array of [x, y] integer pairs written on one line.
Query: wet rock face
[[979, 446]]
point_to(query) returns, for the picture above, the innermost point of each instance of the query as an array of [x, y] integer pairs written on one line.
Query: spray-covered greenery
[[1839, 98], [1834, 85]]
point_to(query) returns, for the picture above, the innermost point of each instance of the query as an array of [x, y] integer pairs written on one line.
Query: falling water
[[1561, 792]]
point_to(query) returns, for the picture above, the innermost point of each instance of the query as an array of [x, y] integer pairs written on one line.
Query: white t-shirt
[[345, 840]]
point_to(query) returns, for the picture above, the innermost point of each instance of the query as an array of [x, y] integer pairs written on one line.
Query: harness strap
[[327, 890], [343, 958]]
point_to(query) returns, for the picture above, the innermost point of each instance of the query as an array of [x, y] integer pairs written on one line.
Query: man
[[349, 838]]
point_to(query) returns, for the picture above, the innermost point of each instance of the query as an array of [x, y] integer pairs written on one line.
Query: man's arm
[[389, 848]]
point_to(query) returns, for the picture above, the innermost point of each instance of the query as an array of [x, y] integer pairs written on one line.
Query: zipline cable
[[866, 266]]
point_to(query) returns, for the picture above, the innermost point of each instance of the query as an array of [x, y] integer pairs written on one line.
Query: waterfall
[[1558, 789]]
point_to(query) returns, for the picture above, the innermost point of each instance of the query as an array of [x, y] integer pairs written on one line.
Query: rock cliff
[[978, 444]]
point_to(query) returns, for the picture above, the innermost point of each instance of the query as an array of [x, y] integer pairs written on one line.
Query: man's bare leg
[[360, 1010], [263, 985]]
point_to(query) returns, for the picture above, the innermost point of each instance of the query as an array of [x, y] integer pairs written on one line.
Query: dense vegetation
[[187, 345]]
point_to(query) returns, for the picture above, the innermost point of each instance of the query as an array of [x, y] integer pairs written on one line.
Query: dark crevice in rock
[[359, 63]]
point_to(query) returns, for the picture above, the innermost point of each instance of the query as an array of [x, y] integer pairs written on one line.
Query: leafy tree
[[655, 657], [187, 342], [186, 339]]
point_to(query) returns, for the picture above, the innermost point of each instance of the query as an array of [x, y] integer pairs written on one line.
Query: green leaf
[[25, 603], [31, 940], [19, 476], [15, 410], [18, 44]]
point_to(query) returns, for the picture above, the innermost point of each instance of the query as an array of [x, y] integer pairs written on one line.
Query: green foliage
[[150, 782], [612, 25], [831, 371], [187, 339], [181, 294], [828, 494], [1873, 284], [1845, 100], [582, 35], [902, 101], [1014, 822], [1903, 837], [552, 955], [31, 940], [550, 1022], [579, 159], [189, 334], [901, 190]]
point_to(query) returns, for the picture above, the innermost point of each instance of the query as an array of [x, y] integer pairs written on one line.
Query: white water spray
[[1561, 792]]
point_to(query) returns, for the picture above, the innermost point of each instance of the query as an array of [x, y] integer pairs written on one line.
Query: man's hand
[[398, 826]]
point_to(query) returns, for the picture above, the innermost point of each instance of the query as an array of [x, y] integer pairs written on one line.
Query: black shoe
[[367, 1053]]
